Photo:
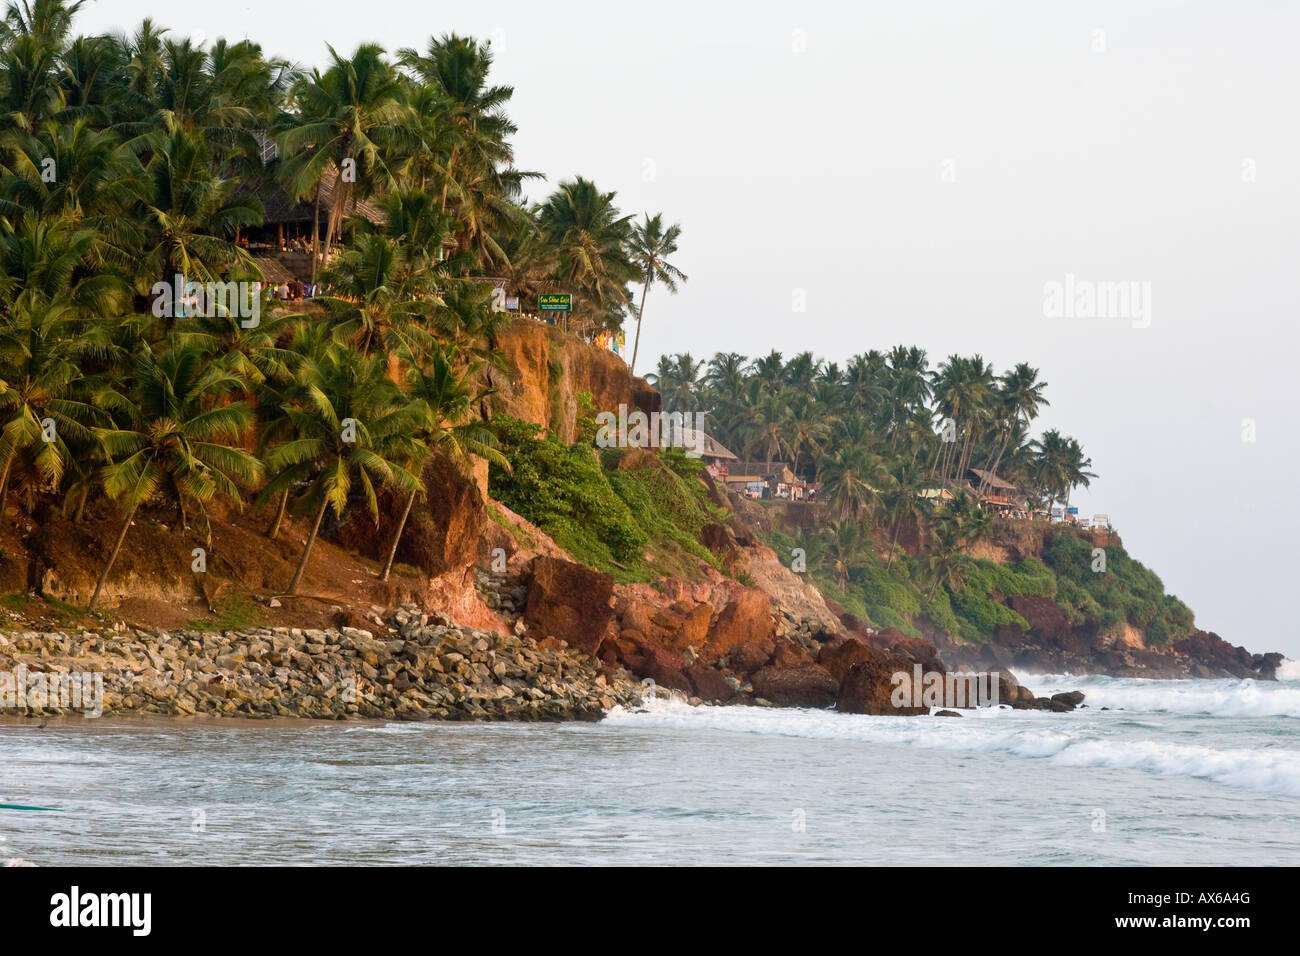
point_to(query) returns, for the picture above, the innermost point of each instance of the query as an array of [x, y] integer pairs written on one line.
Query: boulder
[[868, 687], [709, 684], [667, 669], [569, 601], [746, 618], [746, 658], [1071, 699], [693, 628], [837, 657], [808, 686]]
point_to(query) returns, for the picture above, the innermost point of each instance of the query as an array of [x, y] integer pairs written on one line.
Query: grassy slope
[[1127, 592], [636, 522]]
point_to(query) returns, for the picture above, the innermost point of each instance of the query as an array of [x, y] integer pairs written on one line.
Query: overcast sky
[[918, 172]]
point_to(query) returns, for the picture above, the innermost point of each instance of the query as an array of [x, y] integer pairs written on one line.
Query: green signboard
[[555, 302]]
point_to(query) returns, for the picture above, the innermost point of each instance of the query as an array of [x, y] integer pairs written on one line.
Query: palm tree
[[190, 214], [345, 114], [650, 247], [369, 307], [590, 238], [947, 562], [350, 424], [766, 430], [443, 399], [1021, 393], [838, 552], [853, 477], [808, 428], [769, 372], [678, 382], [904, 499], [175, 436], [456, 69], [38, 371]]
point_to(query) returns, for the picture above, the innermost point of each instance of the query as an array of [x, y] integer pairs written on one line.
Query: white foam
[[1288, 670], [1219, 698], [1065, 739], [1271, 770], [16, 861]]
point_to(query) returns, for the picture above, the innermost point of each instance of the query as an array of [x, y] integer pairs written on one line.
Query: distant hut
[[287, 228], [997, 494]]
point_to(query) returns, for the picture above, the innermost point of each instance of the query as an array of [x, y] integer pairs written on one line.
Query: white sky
[[821, 170]]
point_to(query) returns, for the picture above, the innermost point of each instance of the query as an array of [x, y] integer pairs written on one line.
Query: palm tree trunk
[[397, 537], [636, 344], [273, 531], [81, 506], [117, 546], [898, 525], [4, 485], [315, 235], [306, 551]]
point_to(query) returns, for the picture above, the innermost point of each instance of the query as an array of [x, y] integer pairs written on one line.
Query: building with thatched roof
[[287, 229]]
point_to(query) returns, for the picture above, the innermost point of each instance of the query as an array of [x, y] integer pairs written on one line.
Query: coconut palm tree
[[651, 245], [345, 116], [40, 410], [590, 237], [350, 425], [173, 434], [443, 399], [853, 478], [455, 69], [678, 382], [838, 552], [189, 214], [904, 501], [1022, 393]]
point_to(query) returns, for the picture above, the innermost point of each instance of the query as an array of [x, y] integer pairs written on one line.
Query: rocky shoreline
[[419, 666], [425, 668]]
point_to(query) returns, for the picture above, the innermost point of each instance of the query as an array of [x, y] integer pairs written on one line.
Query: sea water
[[1171, 772]]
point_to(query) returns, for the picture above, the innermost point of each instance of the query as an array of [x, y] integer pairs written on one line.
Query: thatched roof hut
[[279, 211]]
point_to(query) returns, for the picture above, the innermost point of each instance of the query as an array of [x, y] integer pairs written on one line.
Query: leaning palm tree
[[175, 436], [650, 247], [39, 369], [838, 552], [443, 399], [904, 500], [350, 425], [853, 479]]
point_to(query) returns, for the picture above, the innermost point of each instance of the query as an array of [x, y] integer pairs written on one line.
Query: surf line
[[16, 806]]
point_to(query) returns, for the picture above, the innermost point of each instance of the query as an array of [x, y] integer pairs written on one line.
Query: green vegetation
[[635, 519], [1126, 591], [884, 437], [231, 614], [131, 162]]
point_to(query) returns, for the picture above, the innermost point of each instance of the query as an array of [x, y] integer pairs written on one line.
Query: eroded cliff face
[[546, 369]]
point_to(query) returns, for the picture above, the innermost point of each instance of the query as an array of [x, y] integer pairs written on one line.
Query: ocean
[[1172, 773]]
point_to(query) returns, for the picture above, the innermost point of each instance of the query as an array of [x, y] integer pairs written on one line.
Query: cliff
[[637, 560]]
